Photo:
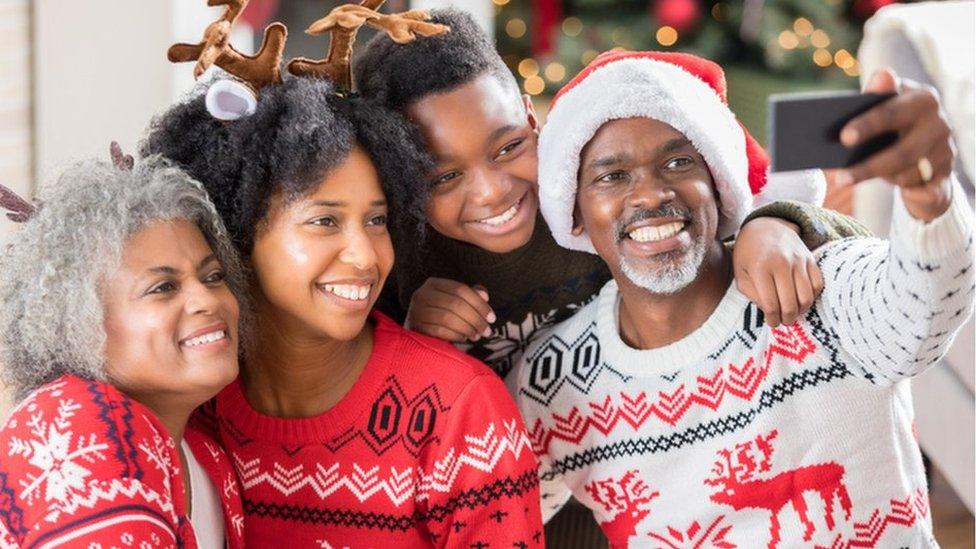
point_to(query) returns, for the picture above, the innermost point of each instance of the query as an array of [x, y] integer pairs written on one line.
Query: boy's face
[[484, 140]]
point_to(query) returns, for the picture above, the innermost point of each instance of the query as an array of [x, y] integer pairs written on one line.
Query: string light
[[822, 58], [854, 69], [515, 28], [666, 36], [843, 59], [555, 72], [572, 26], [500, 2], [788, 40], [803, 26], [534, 85], [819, 39], [528, 68]]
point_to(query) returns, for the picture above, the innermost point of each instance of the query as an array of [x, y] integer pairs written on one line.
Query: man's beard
[[676, 269]]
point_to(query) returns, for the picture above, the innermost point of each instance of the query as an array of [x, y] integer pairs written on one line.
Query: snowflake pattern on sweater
[[84, 465], [426, 450], [741, 435]]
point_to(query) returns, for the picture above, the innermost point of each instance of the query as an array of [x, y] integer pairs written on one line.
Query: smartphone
[[804, 129]]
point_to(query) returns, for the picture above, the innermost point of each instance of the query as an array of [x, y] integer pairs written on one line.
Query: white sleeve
[[896, 305]]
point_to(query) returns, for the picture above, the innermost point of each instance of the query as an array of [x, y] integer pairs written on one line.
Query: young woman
[[118, 317], [346, 429]]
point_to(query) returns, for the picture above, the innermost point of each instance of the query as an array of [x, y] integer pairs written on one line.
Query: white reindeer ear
[[228, 99]]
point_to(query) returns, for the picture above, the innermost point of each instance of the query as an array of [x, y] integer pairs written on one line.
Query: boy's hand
[[915, 115], [774, 269], [450, 311]]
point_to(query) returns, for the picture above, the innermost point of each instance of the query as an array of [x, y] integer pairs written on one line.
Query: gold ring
[[925, 169]]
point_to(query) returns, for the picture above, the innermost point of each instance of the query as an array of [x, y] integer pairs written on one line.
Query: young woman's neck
[[289, 374]]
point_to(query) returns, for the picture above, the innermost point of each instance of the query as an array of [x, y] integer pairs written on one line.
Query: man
[[665, 405]]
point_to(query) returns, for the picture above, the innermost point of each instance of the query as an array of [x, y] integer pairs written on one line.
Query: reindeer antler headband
[[229, 100], [343, 24]]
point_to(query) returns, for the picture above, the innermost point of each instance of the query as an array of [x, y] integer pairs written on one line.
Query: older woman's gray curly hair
[[51, 320]]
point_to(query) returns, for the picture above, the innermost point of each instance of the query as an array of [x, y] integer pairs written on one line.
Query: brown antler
[[19, 210], [257, 70], [344, 22]]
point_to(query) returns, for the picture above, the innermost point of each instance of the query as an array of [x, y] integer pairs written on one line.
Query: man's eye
[[612, 177], [507, 149], [324, 221], [679, 162]]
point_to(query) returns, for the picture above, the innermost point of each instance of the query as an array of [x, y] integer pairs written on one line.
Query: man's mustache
[[668, 209]]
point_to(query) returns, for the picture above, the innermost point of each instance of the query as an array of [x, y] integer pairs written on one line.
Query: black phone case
[[804, 129]]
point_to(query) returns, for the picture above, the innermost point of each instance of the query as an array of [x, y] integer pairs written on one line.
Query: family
[[380, 304]]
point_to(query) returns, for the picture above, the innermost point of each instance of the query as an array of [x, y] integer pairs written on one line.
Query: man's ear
[[530, 112], [577, 221]]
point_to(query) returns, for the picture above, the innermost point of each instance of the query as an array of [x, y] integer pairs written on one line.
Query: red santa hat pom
[[682, 90]]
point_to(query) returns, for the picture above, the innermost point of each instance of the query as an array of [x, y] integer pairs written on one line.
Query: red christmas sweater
[[83, 465], [426, 450]]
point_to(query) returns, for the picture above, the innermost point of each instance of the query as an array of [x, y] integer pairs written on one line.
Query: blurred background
[[77, 75]]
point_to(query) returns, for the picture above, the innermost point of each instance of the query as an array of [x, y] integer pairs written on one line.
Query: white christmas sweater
[[740, 435]]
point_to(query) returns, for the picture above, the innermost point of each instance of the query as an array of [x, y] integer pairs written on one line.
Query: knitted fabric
[[426, 450], [85, 466], [541, 284], [744, 435]]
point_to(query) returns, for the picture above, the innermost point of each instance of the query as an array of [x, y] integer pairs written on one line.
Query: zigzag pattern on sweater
[[904, 512], [399, 486], [775, 394], [469, 499], [740, 381]]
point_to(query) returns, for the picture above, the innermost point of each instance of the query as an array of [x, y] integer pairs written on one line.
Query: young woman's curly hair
[[300, 131]]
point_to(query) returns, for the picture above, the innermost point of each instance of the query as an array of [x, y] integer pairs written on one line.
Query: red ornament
[[259, 12], [867, 8], [546, 15], [681, 15]]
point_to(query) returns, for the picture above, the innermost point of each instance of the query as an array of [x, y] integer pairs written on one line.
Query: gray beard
[[671, 277]]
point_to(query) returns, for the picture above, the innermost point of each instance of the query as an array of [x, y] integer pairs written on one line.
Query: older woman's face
[[320, 261], [170, 319]]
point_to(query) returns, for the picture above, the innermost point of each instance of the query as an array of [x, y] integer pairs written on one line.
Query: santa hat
[[682, 90]]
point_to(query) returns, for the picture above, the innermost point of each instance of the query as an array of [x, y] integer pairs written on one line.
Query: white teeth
[[205, 338], [502, 217], [654, 234], [349, 291]]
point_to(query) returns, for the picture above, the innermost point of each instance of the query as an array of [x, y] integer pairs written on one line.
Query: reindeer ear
[[228, 99]]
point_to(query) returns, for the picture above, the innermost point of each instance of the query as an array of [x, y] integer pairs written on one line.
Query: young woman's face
[[321, 260], [484, 141], [170, 319]]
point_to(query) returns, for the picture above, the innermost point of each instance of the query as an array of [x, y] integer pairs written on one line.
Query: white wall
[[16, 156]]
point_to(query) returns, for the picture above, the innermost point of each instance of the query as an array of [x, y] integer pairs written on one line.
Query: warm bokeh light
[[528, 67], [555, 72], [822, 58], [666, 36], [515, 28], [500, 2], [534, 85], [788, 40], [803, 26], [572, 26], [718, 12], [819, 39], [853, 70], [843, 59]]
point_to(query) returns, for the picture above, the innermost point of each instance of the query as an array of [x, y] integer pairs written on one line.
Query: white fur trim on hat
[[640, 88], [228, 99], [803, 185]]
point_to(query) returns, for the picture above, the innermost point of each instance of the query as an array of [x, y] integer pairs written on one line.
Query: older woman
[[117, 319]]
